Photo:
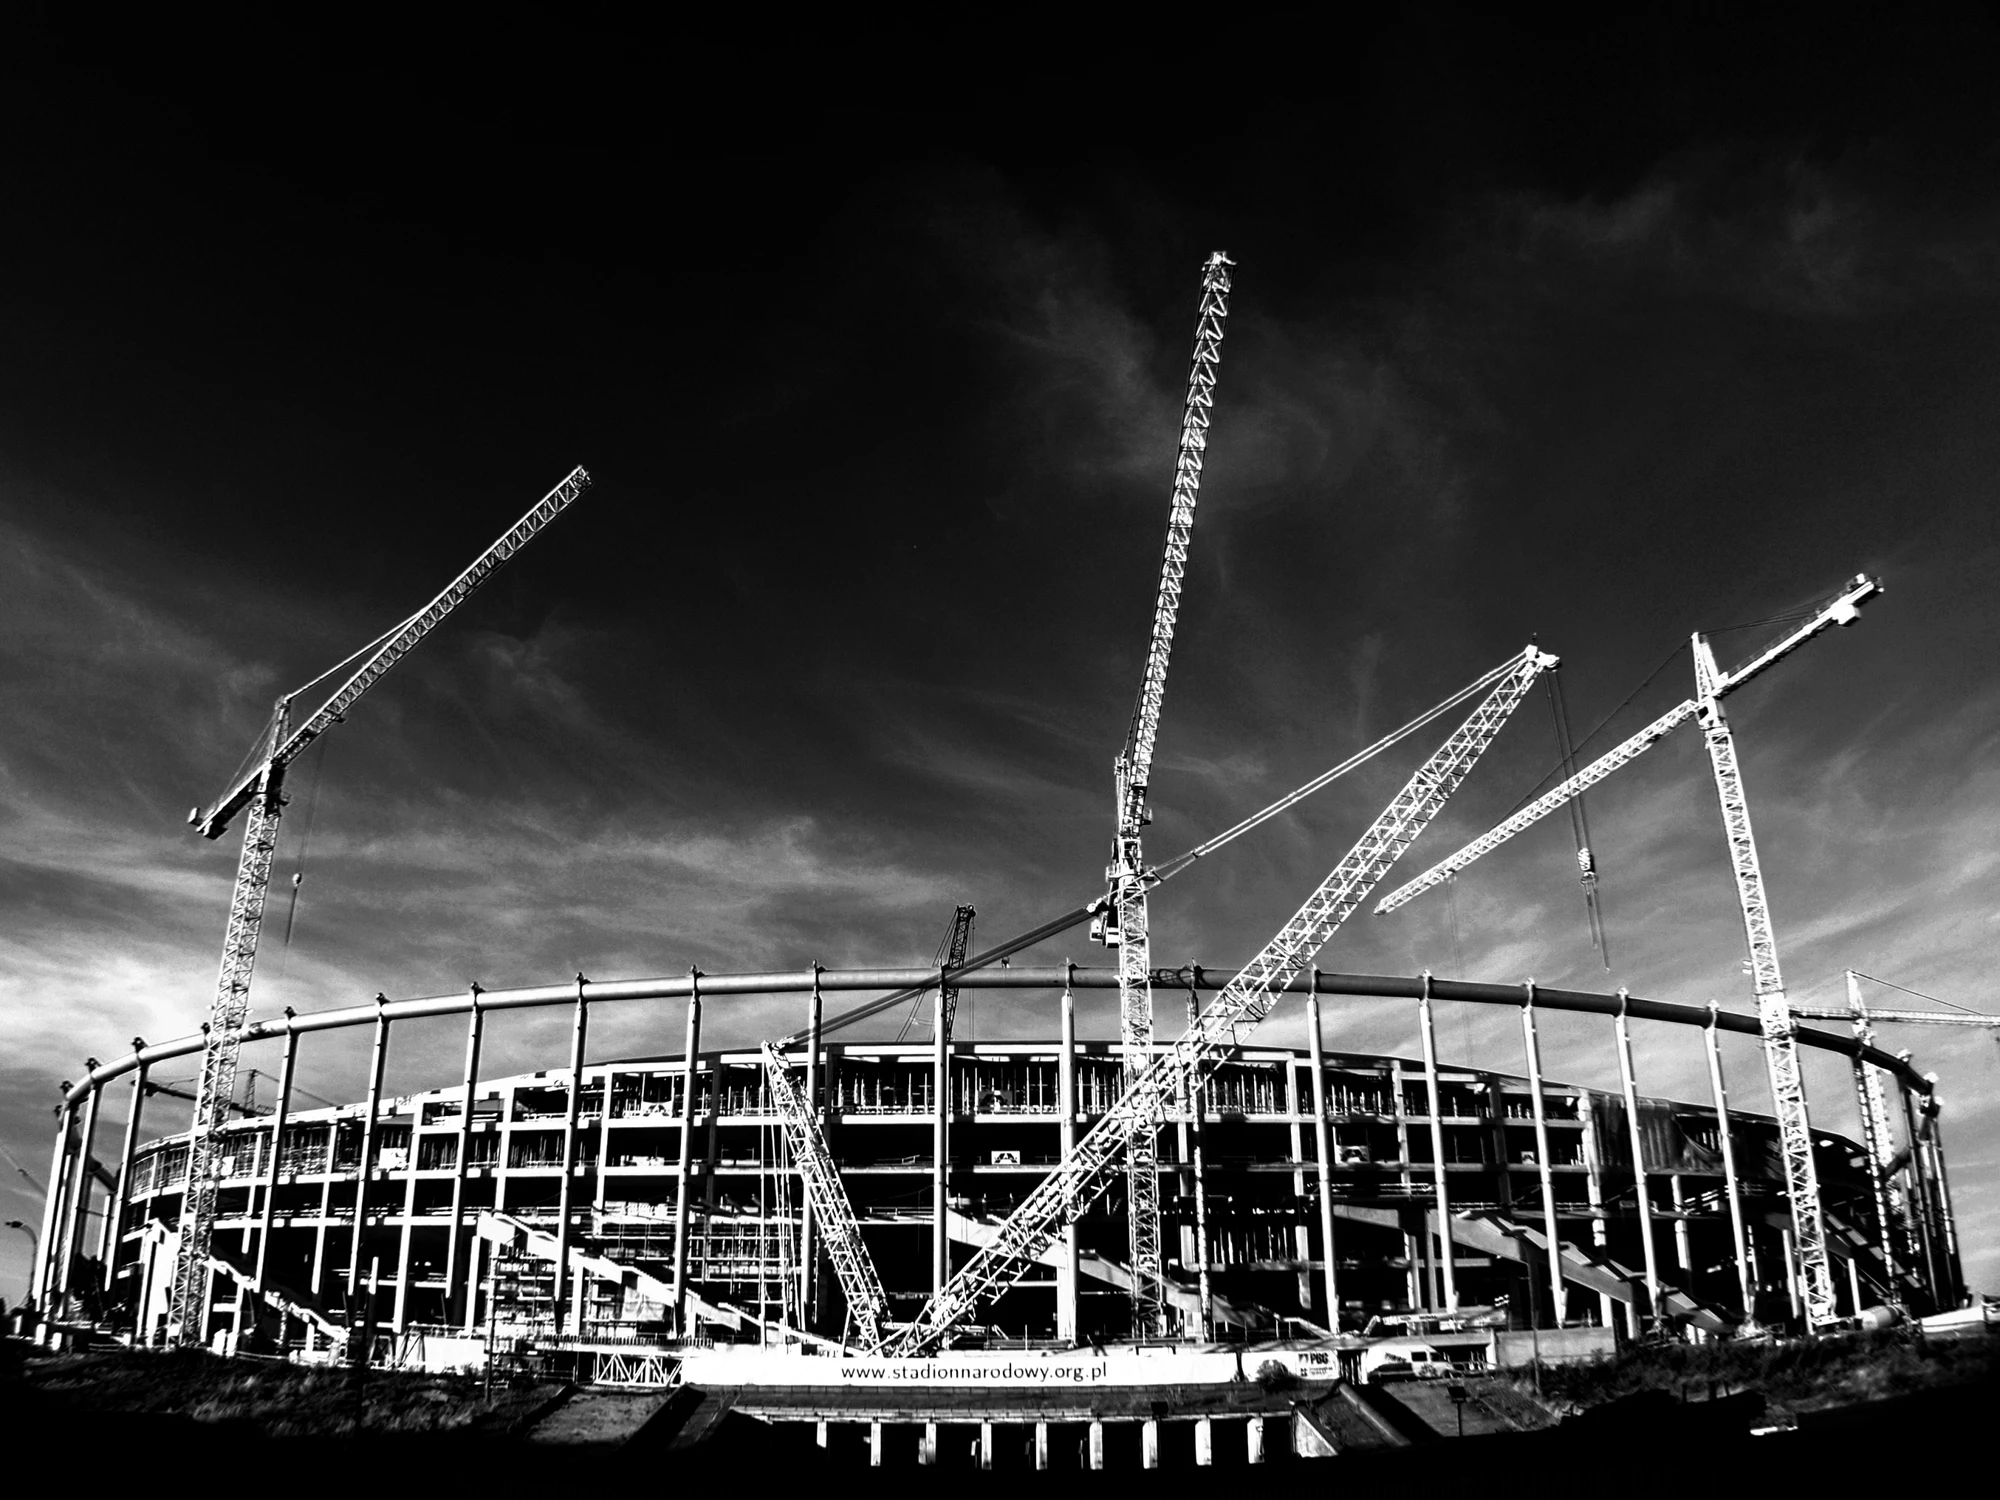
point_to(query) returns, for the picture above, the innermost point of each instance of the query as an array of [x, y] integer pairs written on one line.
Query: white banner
[[1065, 1369]]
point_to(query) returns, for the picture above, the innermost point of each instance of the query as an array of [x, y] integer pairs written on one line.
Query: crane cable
[[1179, 862], [299, 868], [1579, 822]]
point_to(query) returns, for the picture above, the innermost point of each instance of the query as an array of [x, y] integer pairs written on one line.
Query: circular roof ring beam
[[1051, 977]]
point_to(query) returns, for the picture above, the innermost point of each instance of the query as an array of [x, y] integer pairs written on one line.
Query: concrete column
[[1947, 1217], [399, 1309], [77, 1209], [475, 1249], [1198, 1132], [1041, 1447], [1447, 1252], [1745, 1286], [52, 1201], [318, 1276], [114, 1213], [808, 1250], [1204, 1442], [927, 1450], [1417, 1290], [1950, 1292], [142, 1330], [711, 1165], [1683, 1251], [1927, 1231], [874, 1445], [1149, 1444], [819, 1433], [1096, 1445], [940, 1144], [689, 1080], [378, 1060], [566, 1193], [1631, 1086], [986, 1445], [609, 1085], [1253, 1439], [1593, 1182], [1531, 1044], [1069, 1270], [475, 1027], [1323, 1142], [278, 1119]]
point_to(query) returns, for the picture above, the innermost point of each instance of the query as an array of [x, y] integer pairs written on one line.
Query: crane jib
[[215, 822]]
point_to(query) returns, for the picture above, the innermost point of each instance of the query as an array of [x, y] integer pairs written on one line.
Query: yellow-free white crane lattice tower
[[1176, 1073], [1775, 1024], [259, 792], [1892, 1202], [853, 1266], [1124, 922]]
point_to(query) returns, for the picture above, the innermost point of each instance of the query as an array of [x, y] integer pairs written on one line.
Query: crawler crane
[[860, 1283], [260, 792], [1062, 1197]]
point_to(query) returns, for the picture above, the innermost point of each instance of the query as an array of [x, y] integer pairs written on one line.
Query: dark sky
[[1597, 337]]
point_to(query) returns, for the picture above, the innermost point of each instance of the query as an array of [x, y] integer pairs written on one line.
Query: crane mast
[[1774, 1021], [1062, 1197], [260, 792], [1127, 875], [1878, 1132], [840, 1235]]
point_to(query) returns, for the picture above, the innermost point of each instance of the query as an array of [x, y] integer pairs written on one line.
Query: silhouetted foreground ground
[[173, 1423]]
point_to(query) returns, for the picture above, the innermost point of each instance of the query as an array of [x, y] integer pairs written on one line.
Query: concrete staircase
[[286, 1300], [643, 1289], [1490, 1232], [1184, 1299]]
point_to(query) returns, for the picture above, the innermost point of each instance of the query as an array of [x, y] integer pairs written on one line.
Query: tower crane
[[1063, 1196], [1123, 921], [1892, 1206], [1775, 1025], [1774, 1021], [259, 792]]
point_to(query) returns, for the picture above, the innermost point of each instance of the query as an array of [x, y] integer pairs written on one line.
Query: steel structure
[[1224, 1023], [260, 791], [1781, 1058], [303, 1201], [951, 958], [1893, 1208], [1878, 1132], [1125, 921]]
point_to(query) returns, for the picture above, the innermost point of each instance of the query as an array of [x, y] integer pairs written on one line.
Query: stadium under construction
[[1138, 1231]]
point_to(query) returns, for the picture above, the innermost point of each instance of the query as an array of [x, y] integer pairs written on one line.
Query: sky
[[1590, 339]]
